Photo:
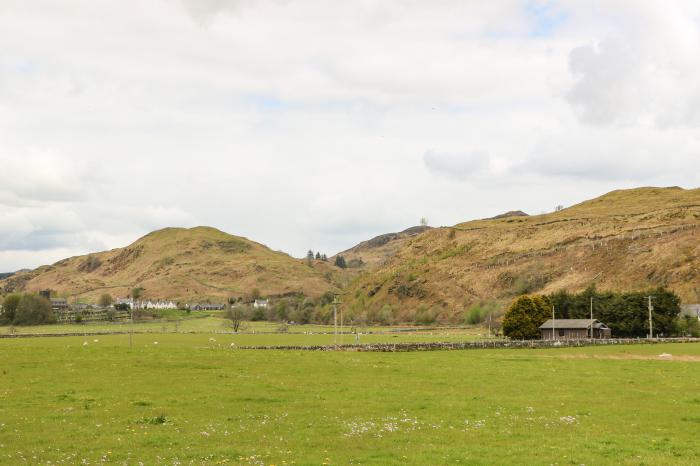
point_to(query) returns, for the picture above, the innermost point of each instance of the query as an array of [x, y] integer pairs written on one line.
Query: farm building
[[205, 307], [573, 329], [58, 304]]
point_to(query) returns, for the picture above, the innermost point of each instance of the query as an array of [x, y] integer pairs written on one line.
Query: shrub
[[385, 316], [33, 309], [105, 300], [283, 328], [425, 315], [90, 264], [257, 314], [477, 313]]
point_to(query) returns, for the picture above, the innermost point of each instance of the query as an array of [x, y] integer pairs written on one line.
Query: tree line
[[626, 313], [26, 309]]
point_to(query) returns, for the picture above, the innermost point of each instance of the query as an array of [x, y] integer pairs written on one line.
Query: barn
[[573, 329]]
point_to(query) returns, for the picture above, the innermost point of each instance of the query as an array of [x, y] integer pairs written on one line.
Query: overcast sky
[[318, 124]]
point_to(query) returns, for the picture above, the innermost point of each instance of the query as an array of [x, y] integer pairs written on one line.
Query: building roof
[[573, 323]]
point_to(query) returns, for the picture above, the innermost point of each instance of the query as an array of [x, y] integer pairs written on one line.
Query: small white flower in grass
[[95, 340], [232, 345], [155, 342], [211, 340], [85, 343]]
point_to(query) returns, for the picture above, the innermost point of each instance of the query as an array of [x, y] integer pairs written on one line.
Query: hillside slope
[[182, 264], [624, 240]]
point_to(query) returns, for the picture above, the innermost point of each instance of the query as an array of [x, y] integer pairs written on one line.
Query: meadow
[[261, 333], [193, 399]]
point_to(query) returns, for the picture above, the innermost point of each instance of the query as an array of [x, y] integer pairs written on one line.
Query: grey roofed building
[[58, 304], [572, 329]]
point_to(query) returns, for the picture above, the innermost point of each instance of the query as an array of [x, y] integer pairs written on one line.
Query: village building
[[159, 305], [260, 303], [205, 307], [574, 329], [59, 304]]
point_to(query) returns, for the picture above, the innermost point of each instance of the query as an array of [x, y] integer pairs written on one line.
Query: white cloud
[[646, 73], [456, 166]]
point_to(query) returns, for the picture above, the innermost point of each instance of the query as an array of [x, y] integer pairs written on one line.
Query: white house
[[260, 303], [159, 304]]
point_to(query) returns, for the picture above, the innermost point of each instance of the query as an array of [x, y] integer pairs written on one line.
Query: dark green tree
[[524, 317], [340, 262]]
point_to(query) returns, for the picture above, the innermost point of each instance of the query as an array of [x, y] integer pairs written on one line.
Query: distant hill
[[6, 275], [183, 264], [512, 213], [624, 240], [373, 252]]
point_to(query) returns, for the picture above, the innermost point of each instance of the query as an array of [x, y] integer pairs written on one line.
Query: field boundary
[[487, 344]]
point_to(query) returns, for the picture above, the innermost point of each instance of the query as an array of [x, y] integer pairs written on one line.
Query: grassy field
[[214, 323], [188, 400]]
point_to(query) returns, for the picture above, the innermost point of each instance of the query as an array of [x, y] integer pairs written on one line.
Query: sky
[[309, 124]]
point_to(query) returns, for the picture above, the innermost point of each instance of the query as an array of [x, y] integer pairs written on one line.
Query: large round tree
[[524, 317], [9, 307], [33, 310]]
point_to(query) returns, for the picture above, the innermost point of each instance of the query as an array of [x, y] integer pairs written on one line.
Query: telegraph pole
[[131, 325], [651, 323], [591, 317], [335, 323], [335, 303], [553, 334]]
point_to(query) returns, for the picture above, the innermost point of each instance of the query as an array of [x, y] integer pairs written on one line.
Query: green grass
[[190, 400], [214, 323]]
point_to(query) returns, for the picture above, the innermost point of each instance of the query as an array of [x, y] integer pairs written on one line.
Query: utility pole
[[131, 325], [554, 337], [651, 323], [335, 303], [591, 317]]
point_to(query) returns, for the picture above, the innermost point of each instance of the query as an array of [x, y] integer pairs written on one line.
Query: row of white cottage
[[259, 303]]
